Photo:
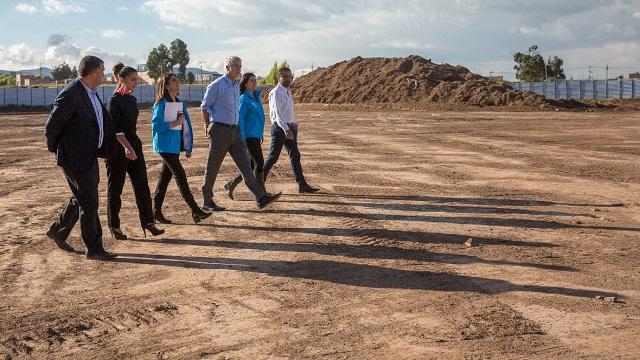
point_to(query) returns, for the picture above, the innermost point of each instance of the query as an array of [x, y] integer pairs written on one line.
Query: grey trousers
[[223, 139]]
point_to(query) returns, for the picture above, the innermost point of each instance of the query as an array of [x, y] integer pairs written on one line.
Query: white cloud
[[123, 8], [16, 56], [60, 7], [112, 34], [60, 49], [396, 44], [636, 15], [26, 8]]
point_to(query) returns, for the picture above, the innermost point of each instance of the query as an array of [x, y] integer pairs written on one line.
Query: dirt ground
[[375, 267]]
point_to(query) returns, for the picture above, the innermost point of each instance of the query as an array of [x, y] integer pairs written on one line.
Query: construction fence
[[559, 89], [43, 96], [582, 89]]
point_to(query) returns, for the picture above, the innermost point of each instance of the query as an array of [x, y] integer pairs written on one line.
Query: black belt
[[231, 126]]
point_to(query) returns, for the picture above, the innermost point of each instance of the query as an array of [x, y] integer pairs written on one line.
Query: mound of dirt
[[412, 79]]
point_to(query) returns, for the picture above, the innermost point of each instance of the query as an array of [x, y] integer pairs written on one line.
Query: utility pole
[[312, 65], [546, 75], [607, 72], [201, 77], [589, 72]]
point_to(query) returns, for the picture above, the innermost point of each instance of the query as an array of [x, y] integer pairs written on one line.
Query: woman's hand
[[130, 153], [179, 121], [188, 155]]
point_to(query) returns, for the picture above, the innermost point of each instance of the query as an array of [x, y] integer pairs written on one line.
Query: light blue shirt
[[222, 100], [97, 108]]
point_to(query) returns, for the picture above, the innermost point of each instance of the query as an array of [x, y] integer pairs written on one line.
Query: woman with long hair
[[129, 158], [169, 140], [251, 124]]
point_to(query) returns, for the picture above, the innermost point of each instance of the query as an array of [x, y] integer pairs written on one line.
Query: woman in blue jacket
[[169, 139], [251, 124]]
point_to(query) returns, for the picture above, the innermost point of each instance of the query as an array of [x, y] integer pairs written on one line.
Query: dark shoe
[[268, 199], [199, 215], [99, 255], [305, 188], [157, 216], [212, 207], [62, 243], [231, 186], [117, 234], [152, 229]]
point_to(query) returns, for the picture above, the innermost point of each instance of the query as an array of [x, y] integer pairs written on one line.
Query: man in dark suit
[[78, 131]]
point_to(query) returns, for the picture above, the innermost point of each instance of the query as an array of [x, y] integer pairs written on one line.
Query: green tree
[[554, 68], [179, 55], [7, 80], [74, 72], [272, 76], [62, 72], [532, 67], [191, 78], [158, 62]]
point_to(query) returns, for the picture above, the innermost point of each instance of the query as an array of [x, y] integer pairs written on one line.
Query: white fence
[[583, 89], [35, 96]]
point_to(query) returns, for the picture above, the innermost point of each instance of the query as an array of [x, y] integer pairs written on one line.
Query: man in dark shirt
[[79, 130]]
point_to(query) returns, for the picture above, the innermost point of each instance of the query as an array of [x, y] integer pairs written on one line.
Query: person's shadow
[[361, 275]]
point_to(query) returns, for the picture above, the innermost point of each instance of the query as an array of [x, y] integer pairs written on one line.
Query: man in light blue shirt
[[220, 108]]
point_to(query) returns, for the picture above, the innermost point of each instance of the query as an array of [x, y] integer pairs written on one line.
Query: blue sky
[[479, 34]]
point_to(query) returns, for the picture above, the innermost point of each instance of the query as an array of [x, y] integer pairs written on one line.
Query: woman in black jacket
[[123, 107]]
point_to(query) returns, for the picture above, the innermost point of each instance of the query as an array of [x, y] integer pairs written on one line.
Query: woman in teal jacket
[[251, 124], [169, 139]]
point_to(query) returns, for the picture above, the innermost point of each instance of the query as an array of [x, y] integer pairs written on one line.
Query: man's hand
[[289, 134], [130, 153]]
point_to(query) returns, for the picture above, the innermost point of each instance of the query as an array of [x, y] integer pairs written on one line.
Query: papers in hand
[[171, 110]]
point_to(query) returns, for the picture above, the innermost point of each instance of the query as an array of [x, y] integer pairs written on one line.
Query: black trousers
[[117, 169], [254, 149], [279, 139], [171, 166], [83, 206]]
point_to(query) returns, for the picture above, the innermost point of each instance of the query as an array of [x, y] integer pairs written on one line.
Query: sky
[[481, 35]]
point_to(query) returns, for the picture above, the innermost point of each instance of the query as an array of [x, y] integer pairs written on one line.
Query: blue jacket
[[166, 140], [251, 119]]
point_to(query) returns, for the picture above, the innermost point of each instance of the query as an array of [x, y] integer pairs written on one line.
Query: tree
[[554, 68], [74, 72], [532, 67], [272, 77], [191, 78], [158, 62], [7, 80], [62, 72], [179, 55]]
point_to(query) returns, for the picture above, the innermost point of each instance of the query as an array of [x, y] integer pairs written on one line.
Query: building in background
[[634, 76]]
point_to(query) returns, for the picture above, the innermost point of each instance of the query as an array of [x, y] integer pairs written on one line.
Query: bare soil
[[374, 267], [414, 81]]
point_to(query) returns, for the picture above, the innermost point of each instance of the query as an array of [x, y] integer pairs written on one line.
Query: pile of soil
[[410, 80]]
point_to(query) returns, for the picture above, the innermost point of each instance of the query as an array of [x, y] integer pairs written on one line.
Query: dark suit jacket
[[72, 130]]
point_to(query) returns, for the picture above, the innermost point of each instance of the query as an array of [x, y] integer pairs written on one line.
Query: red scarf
[[122, 91]]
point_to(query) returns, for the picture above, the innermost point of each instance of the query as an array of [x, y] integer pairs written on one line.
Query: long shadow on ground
[[353, 274], [356, 251]]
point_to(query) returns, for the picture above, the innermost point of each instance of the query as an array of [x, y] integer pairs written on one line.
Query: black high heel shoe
[[157, 216], [200, 215], [117, 234], [152, 229]]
